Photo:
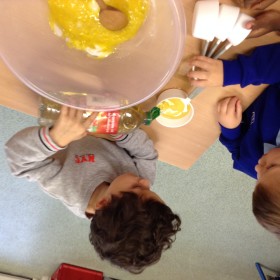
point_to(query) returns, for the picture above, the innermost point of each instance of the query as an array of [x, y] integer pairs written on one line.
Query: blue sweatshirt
[[259, 130]]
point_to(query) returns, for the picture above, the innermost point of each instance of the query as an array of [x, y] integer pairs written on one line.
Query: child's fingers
[[226, 105], [249, 24], [79, 114], [72, 112], [201, 75], [261, 5], [184, 68], [238, 108], [201, 62], [223, 105], [90, 119], [232, 105], [199, 83], [219, 107], [64, 111]]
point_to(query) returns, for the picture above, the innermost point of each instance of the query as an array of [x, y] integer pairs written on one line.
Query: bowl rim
[[179, 22], [174, 123]]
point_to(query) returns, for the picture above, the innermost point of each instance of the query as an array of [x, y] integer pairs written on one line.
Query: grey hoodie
[[71, 174]]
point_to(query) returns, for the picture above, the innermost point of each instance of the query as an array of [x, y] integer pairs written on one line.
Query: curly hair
[[132, 232], [266, 208]]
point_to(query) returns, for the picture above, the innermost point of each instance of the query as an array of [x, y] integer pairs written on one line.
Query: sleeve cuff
[[119, 137], [47, 140], [231, 134], [232, 72]]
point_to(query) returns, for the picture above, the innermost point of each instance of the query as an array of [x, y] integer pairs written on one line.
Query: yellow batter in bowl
[[77, 21], [173, 108]]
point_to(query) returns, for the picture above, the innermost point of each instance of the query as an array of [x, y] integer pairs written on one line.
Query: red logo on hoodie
[[84, 158]]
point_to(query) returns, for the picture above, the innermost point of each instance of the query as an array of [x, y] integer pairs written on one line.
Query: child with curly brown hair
[[105, 181]]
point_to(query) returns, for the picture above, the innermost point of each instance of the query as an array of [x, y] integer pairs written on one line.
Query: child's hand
[[229, 112], [265, 22], [257, 4], [70, 126], [210, 74]]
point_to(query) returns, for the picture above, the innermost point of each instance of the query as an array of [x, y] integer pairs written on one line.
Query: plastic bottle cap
[[151, 115]]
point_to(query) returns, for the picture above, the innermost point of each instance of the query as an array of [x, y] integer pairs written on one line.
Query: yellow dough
[[173, 108], [77, 21]]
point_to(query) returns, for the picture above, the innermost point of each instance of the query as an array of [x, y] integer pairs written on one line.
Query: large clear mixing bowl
[[137, 70]]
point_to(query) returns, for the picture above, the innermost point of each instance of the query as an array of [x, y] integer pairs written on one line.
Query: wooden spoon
[[110, 17]]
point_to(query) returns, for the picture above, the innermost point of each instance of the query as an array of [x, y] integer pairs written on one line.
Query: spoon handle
[[222, 51], [213, 49], [195, 92]]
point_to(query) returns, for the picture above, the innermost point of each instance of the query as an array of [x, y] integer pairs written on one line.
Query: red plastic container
[[71, 272]]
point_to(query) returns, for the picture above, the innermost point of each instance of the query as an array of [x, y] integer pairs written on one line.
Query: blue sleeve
[[262, 66], [231, 138]]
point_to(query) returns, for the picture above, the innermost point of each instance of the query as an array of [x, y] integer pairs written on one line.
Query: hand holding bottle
[[70, 126], [119, 121]]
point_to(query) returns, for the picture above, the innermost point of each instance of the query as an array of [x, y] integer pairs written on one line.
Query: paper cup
[[173, 123], [227, 18], [239, 33], [204, 21]]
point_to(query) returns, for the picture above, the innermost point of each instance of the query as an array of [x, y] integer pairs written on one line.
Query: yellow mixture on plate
[[173, 108], [77, 21]]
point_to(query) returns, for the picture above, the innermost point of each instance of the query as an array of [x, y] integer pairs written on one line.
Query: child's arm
[[254, 4], [141, 149], [29, 152], [261, 67], [70, 126], [229, 117], [265, 22]]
